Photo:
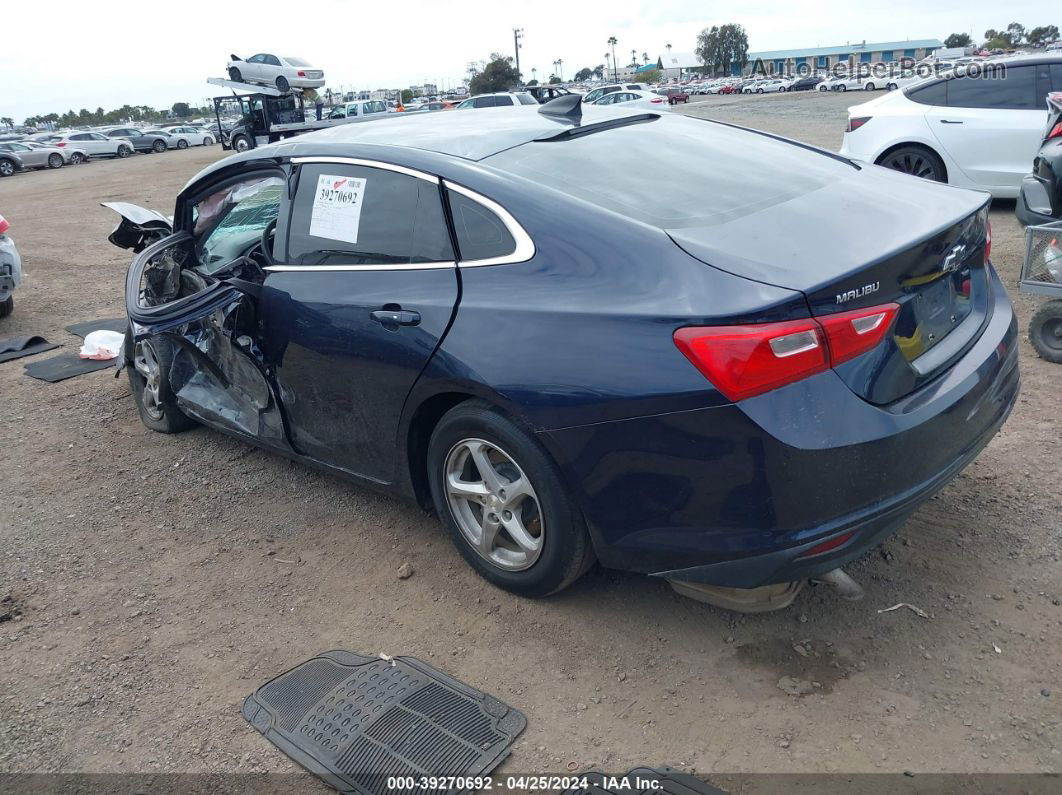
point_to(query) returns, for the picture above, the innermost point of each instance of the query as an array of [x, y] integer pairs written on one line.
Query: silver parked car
[[34, 158], [72, 155]]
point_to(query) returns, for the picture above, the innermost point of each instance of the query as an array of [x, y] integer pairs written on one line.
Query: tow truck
[[265, 115]]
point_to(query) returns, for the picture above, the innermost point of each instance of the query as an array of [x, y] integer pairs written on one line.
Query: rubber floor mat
[[358, 721], [82, 330], [17, 347], [66, 365], [646, 781]]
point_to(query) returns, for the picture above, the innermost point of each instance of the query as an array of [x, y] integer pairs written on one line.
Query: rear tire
[[842, 87], [870, 87], [1045, 331], [7, 306], [55, 160], [563, 551], [182, 144], [917, 161], [158, 147], [891, 87], [208, 141], [235, 76], [149, 381]]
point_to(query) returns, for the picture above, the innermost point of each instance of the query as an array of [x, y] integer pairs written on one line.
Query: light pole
[[560, 69], [612, 43], [518, 33], [534, 74], [607, 67]]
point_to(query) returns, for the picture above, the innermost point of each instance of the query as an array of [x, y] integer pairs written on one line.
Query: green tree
[[532, 83], [498, 75], [407, 95], [652, 76], [599, 71], [958, 40], [722, 45], [553, 80], [583, 74], [1040, 36], [1016, 33], [181, 110]]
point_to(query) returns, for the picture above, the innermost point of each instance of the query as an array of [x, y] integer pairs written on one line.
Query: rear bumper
[[10, 267], [1033, 206], [734, 495]]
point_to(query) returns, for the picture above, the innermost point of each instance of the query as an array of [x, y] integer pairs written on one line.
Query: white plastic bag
[[102, 345]]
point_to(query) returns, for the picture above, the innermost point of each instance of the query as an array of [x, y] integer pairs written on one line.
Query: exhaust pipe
[[846, 587]]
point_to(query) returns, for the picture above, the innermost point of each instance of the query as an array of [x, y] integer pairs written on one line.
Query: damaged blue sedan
[[725, 361]]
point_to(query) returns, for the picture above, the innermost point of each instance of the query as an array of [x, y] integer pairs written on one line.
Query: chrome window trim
[[525, 246], [358, 161], [405, 266]]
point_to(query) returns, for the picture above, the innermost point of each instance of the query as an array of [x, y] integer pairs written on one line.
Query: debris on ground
[[918, 611], [405, 571], [795, 687]]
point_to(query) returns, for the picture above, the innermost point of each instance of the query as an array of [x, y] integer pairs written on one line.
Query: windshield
[[230, 220]]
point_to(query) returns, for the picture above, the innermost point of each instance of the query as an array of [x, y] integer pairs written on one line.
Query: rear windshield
[[675, 172], [296, 61]]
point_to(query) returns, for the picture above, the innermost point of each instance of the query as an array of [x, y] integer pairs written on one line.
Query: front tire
[[7, 168], [77, 159], [55, 160], [504, 502], [7, 306], [235, 76], [124, 151], [891, 87], [842, 87], [869, 87], [1045, 331], [149, 381], [241, 143], [208, 141]]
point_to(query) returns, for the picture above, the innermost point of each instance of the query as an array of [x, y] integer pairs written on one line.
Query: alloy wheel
[[7, 168], [913, 163], [494, 504], [147, 364]]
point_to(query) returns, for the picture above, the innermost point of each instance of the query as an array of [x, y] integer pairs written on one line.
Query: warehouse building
[[823, 58]]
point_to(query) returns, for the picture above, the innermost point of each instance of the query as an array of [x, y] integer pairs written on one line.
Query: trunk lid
[[849, 246]]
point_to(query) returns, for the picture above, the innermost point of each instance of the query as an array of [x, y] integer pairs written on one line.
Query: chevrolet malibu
[[569, 360]]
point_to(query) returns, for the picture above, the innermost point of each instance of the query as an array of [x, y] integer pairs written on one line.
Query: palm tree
[[612, 41], [668, 46], [634, 57], [645, 57], [560, 68]]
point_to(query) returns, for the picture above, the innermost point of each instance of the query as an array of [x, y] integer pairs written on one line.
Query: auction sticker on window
[[336, 212]]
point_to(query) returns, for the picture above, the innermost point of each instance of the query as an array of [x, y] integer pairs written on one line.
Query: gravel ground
[[151, 582]]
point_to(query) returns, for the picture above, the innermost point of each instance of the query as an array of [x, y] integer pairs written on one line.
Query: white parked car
[[183, 137], [771, 86], [967, 130], [499, 100], [358, 110], [596, 94], [95, 144], [848, 83], [273, 70], [634, 99]]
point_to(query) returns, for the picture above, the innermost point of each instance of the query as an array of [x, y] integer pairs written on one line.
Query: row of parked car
[[72, 147]]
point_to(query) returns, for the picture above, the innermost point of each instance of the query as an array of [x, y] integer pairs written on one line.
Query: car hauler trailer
[[263, 115]]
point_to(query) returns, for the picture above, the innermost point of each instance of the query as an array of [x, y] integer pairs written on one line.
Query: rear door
[[362, 292], [992, 124]]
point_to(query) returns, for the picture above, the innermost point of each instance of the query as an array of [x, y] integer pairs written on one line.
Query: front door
[[362, 292]]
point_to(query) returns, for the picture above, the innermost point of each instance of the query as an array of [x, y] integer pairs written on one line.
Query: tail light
[[744, 361], [988, 240], [1056, 131], [827, 545], [301, 73], [60, 144], [855, 124], [4, 225], [656, 100]]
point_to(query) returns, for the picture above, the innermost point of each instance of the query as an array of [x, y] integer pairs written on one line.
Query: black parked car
[[141, 141], [806, 83], [1040, 200]]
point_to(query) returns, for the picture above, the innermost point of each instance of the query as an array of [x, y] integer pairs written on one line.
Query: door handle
[[949, 121], [396, 317]]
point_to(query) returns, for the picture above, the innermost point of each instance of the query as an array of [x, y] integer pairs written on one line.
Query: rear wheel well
[[421, 427], [913, 145]]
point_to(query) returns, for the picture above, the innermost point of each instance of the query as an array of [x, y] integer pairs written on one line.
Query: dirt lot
[[154, 581]]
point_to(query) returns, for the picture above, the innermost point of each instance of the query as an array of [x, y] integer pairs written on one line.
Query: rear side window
[[483, 102], [526, 99], [480, 233], [499, 101], [1056, 77], [1014, 90], [929, 93], [381, 218]]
